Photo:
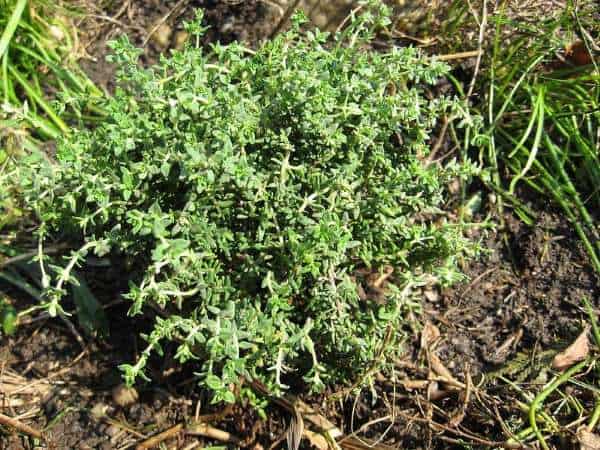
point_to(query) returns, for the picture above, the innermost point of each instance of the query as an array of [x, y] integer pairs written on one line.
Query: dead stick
[[162, 21], [160, 437], [288, 13], [442, 371], [123, 427], [31, 254], [19, 426], [73, 331], [482, 27], [439, 141], [202, 429], [460, 55]]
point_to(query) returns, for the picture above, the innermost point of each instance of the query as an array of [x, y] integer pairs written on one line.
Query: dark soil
[[249, 21], [521, 305], [523, 298], [529, 289]]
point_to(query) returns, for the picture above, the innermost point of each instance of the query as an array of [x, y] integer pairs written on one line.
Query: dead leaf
[[501, 354], [429, 335], [587, 439], [162, 35], [578, 53], [322, 423], [316, 440], [181, 37], [438, 367], [577, 351], [295, 431]]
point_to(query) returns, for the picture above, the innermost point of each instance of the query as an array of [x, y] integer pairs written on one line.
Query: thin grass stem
[[38, 98], [538, 401], [11, 26]]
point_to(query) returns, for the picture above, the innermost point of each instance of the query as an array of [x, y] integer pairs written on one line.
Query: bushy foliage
[[248, 187]]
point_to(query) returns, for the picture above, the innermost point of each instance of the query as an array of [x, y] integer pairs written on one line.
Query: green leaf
[[213, 382], [228, 397], [90, 314], [8, 318]]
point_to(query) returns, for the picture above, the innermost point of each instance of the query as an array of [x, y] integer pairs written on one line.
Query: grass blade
[[11, 26]]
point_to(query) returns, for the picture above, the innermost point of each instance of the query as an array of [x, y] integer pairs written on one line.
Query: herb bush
[[248, 187]]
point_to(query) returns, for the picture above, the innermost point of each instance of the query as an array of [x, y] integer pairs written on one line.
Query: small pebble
[[162, 36], [320, 20], [227, 26], [124, 396], [56, 32], [431, 295], [99, 410]]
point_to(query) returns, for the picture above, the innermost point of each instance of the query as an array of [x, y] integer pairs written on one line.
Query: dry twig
[[203, 429], [20, 426], [163, 19], [459, 55], [160, 437], [288, 13], [482, 27]]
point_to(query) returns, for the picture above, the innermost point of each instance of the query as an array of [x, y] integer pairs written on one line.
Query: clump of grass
[[249, 187], [37, 60], [553, 144], [544, 115], [542, 108]]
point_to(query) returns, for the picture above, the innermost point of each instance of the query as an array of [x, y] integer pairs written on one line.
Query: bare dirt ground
[[157, 26]]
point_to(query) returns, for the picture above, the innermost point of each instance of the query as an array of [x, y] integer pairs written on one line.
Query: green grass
[[543, 120], [542, 114], [553, 149], [38, 57]]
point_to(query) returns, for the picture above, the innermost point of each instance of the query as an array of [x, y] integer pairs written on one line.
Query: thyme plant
[[249, 187]]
